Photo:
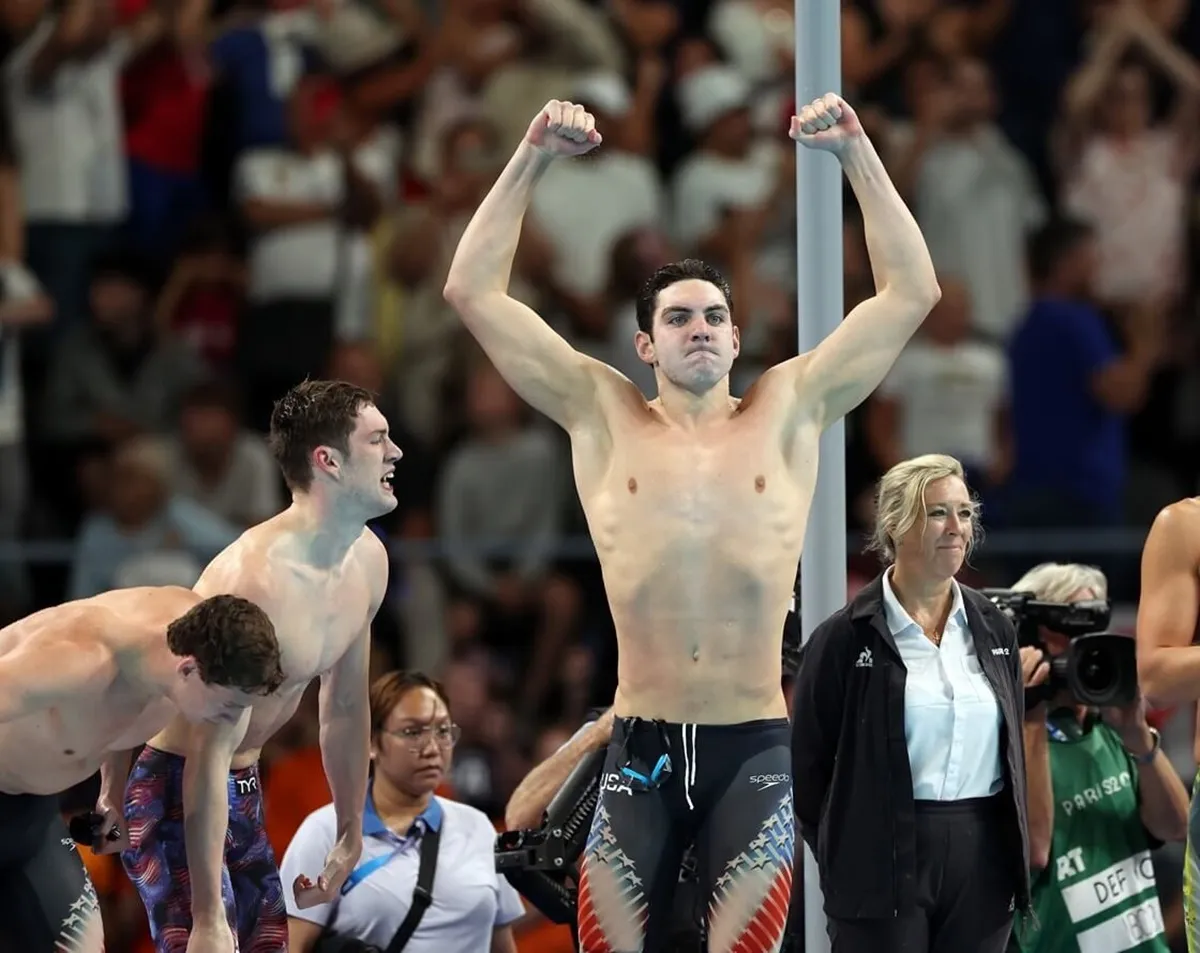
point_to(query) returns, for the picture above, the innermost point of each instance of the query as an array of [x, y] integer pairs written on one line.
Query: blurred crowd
[[202, 202]]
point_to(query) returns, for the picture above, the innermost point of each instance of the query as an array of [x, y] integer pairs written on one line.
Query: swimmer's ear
[[187, 667], [326, 460], [644, 345], [737, 341]]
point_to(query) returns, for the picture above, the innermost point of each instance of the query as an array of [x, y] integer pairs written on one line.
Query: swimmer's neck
[[691, 411], [321, 532], [918, 595], [149, 670]]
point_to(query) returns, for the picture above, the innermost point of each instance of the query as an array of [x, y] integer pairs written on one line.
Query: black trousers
[[964, 888]]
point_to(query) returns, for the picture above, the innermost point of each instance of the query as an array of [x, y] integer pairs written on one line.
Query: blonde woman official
[[910, 775]]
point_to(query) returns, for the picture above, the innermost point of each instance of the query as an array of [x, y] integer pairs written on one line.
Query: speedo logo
[[765, 781]]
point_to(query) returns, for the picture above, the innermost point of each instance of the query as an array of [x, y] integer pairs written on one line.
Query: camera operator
[[1101, 796]]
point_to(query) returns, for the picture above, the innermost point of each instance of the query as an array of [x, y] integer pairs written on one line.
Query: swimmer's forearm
[[483, 261], [900, 260], [533, 795], [345, 753], [114, 773], [205, 822]]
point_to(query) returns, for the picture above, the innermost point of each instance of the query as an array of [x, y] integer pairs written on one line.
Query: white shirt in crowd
[[948, 398], [70, 132]]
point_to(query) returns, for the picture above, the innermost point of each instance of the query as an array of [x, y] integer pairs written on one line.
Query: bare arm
[[1039, 793], [114, 772], [44, 672], [847, 366], [303, 935], [345, 735], [1168, 664], [503, 941], [535, 792], [539, 365], [206, 812], [1162, 798]]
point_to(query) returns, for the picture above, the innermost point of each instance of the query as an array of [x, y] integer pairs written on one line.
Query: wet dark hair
[[233, 642], [690, 269], [310, 415]]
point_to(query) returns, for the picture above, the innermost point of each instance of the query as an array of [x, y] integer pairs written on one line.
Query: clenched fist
[[563, 129], [827, 123]]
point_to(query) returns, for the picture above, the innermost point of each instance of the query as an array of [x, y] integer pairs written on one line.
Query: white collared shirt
[[952, 721], [470, 899]]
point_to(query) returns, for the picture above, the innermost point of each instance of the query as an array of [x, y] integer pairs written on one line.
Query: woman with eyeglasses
[[412, 740]]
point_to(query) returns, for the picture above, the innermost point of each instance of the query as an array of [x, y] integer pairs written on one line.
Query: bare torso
[[50, 751], [698, 534], [317, 613]]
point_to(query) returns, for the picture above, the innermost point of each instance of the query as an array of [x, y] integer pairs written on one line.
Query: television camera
[[1099, 668]]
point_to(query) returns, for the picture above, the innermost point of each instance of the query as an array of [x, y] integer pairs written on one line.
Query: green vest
[[1098, 893]]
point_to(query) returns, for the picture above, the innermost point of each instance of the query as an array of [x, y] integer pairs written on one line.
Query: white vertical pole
[[819, 274]]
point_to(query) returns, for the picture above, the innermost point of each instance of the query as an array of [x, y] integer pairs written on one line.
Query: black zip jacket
[[850, 770]]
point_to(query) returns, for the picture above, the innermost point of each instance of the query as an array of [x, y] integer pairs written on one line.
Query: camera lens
[[1095, 670]]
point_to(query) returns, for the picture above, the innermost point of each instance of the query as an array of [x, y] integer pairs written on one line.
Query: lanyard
[[363, 871]]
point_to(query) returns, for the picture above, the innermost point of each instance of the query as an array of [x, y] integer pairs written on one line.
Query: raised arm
[[842, 371], [537, 363], [1168, 662]]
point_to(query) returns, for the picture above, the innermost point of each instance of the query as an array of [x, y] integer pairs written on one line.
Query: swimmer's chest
[[114, 724], [316, 621], [737, 485]]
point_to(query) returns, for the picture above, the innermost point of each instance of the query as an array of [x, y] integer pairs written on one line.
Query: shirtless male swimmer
[[81, 684], [320, 575], [697, 504], [1168, 661]]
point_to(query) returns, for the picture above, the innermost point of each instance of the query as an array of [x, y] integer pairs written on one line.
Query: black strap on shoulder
[[423, 892]]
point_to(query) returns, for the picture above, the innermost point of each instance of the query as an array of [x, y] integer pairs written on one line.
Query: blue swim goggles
[[637, 773]]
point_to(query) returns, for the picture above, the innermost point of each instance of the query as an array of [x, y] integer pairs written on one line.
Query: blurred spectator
[[164, 96], [214, 461], [23, 304], [202, 297], [1072, 389], [730, 198], [1124, 174], [62, 86], [974, 195], [146, 534], [945, 393], [503, 597], [300, 202], [420, 331], [110, 378], [613, 190], [606, 332]]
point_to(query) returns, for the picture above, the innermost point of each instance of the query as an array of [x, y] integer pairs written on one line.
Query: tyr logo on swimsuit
[[246, 785]]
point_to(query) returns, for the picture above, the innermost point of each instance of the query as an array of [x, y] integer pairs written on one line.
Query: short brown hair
[[311, 415], [233, 642], [388, 690]]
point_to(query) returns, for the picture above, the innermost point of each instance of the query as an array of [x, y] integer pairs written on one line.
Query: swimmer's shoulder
[[1177, 527]]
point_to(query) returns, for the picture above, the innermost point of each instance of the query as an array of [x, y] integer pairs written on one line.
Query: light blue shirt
[[952, 721], [470, 899]]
